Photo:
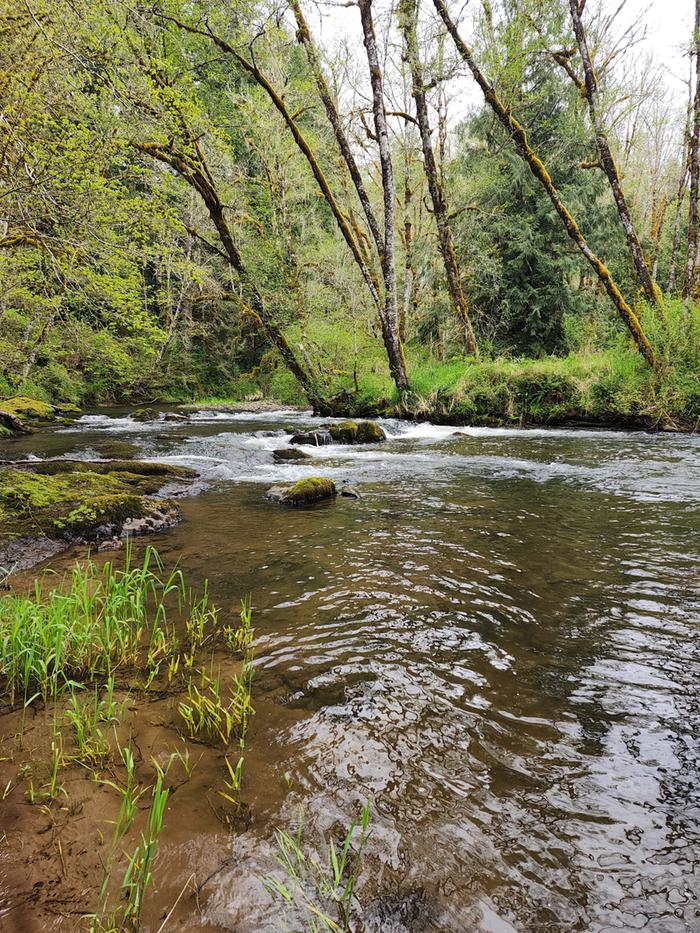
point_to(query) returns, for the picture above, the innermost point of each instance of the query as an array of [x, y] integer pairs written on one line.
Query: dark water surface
[[499, 644]]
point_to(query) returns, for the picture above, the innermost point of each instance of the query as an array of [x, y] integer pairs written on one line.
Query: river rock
[[369, 432], [349, 492], [312, 439], [303, 492], [144, 414], [345, 432], [288, 455]]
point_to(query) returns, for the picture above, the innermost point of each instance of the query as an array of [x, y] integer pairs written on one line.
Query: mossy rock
[[116, 450], [111, 510], [344, 433], [369, 432], [28, 409], [103, 467], [78, 498], [357, 432], [303, 492], [144, 414]]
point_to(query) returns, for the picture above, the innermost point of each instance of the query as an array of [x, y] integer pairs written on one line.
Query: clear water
[[499, 644]]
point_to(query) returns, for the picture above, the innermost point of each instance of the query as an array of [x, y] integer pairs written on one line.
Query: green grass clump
[[103, 619]]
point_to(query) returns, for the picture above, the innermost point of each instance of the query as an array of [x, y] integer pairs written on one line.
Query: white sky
[[668, 23]]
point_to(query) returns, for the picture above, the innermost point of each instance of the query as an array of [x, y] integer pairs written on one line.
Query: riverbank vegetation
[[87, 663], [195, 206]]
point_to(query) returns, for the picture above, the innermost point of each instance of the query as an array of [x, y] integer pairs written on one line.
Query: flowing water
[[498, 644]]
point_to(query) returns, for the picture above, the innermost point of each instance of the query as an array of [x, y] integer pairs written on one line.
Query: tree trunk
[[538, 169], [690, 287], [387, 309], [460, 307], [409, 272], [390, 321], [199, 177], [606, 157], [680, 192]]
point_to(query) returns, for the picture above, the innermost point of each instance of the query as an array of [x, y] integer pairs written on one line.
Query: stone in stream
[[303, 492], [81, 501], [345, 432], [349, 492], [312, 439], [369, 432], [144, 414], [15, 412], [288, 454]]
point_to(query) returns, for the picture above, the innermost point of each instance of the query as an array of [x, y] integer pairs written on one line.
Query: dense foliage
[[125, 130]]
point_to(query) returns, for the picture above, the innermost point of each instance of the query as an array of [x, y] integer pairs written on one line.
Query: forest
[[349, 466], [204, 202]]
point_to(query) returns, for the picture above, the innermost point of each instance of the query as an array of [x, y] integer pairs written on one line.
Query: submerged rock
[[116, 450], [19, 554], [349, 492], [288, 455], [303, 492]]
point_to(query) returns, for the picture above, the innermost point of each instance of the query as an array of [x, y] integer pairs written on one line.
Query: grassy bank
[[601, 380]]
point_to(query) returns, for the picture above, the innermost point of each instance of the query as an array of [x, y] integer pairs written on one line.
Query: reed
[[216, 708], [322, 893], [99, 620]]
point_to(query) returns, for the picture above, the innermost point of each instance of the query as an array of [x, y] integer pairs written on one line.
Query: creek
[[498, 644]]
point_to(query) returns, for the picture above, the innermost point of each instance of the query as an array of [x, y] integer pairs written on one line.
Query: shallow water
[[498, 644]]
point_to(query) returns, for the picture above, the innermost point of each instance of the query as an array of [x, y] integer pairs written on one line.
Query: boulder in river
[[312, 439], [83, 501], [303, 492], [345, 432], [15, 412], [369, 432], [144, 414], [288, 455]]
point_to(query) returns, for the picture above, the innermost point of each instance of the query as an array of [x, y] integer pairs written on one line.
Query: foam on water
[[642, 466]]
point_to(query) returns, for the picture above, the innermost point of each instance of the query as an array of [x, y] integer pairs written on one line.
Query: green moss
[[58, 496], [144, 414], [344, 433], [132, 467], [23, 407], [369, 432], [310, 489], [119, 450], [111, 510]]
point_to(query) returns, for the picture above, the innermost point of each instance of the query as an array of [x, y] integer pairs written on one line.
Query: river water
[[498, 644]]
